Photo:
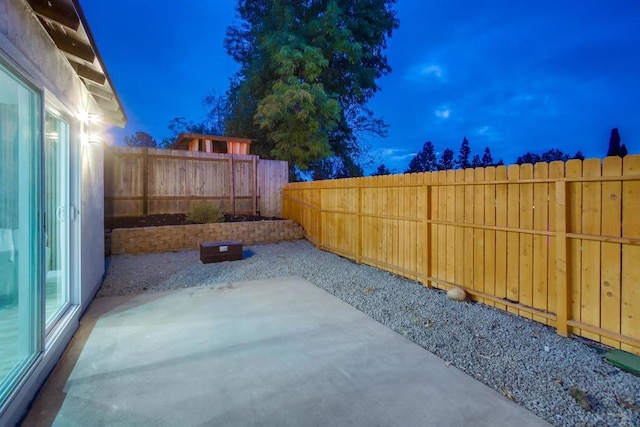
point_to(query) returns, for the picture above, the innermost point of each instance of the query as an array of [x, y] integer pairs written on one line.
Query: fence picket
[[611, 252], [630, 320]]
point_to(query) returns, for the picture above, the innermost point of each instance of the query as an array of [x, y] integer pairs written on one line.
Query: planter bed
[[142, 240]]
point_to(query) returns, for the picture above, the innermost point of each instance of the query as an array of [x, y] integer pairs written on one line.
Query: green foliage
[[205, 213], [462, 161], [140, 139], [425, 160], [307, 72], [297, 113], [548, 156], [382, 170], [335, 168], [615, 149], [446, 160], [215, 107]]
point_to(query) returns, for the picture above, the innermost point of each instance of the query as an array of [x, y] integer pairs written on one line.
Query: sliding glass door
[[57, 210], [20, 229]]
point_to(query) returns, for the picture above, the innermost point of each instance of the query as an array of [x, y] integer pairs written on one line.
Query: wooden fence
[[145, 181], [558, 243]]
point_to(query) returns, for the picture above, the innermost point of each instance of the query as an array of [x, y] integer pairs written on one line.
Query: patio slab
[[278, 352]]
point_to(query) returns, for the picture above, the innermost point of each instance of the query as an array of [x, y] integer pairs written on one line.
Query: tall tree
[[615, 149], [382, 170], [487, 159], [425, 160], [446, 160], [463, 156], [140, 139], [476, 162], [297, 56], [215, 107]]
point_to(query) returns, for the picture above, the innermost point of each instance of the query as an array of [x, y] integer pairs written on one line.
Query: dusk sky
[[516, 76]]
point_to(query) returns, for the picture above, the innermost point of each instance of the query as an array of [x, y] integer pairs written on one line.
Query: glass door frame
[[58, 110]]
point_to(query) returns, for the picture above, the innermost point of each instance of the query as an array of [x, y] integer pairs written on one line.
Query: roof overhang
[[182, 141], [67, 26]]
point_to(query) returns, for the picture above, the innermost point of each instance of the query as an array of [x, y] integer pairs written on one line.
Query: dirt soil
[[172, 219]]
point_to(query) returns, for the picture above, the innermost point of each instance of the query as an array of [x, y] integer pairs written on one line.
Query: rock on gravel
[[526, 361]]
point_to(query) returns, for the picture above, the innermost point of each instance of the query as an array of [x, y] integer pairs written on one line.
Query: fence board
[[557, 243], [630, 319], [513, 240], [457, 243], [489, 279], [501, 236], [526, 240], [468, 258], [556, 171], [477, 233], [611, 252], [540, 243], [590, 273], [573, 169]]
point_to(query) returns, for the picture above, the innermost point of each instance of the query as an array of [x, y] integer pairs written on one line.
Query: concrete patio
[[278, 352]]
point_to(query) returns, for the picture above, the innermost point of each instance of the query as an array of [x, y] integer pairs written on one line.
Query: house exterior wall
[[31, 54]]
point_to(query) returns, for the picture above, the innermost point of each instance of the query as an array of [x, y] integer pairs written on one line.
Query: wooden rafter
[[97, 91], [69, 44], [58, 11], [88, 73]]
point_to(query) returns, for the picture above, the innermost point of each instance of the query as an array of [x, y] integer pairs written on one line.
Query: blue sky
[[516, 76]]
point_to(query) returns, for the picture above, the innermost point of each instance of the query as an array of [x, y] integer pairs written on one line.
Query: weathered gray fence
[[145, 181]]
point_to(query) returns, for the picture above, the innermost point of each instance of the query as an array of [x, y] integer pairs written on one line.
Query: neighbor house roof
[[67, 26], [182, 141]]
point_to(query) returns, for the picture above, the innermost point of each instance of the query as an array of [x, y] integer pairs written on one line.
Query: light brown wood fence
[[558, 243], [145, 181]]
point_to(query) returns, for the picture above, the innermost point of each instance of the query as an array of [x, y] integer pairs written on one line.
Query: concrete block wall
[[188, 237]]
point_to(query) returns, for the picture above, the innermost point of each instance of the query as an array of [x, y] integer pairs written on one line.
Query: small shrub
[[205, 213]]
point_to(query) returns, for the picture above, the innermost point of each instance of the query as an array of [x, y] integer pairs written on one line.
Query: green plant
[[204, 213]]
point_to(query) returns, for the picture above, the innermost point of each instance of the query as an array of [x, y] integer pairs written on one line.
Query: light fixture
[[92, 131]]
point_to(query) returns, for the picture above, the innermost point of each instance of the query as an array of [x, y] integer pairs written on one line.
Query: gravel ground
[[521, 359]]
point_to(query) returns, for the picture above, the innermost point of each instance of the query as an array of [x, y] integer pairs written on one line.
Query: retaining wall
[[188, 237]]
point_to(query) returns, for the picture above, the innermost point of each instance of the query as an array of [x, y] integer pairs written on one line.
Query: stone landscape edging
[[170, 238]]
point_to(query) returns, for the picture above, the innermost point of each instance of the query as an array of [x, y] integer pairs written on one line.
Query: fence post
[[254, 199], [319, 213], [562, 284], [359, 219], [426, 281], [232, 186], [145, 181]]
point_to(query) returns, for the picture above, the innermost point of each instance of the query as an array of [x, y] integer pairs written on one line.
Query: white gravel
[[517, 357]]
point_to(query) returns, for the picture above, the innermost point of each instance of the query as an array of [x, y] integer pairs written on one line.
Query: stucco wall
[[28, 50]]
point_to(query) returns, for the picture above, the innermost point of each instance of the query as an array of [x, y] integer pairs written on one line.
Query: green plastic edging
[[627, 361]]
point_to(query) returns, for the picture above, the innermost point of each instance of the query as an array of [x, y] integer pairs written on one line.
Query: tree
[[140, 139], [297, 61], [446, 161], [463, 157], [615, 149], [297, 113], [476, 162], [425, 160], [548, 156], [487, 159], [382, 170], [334, 168], [213, 124]]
